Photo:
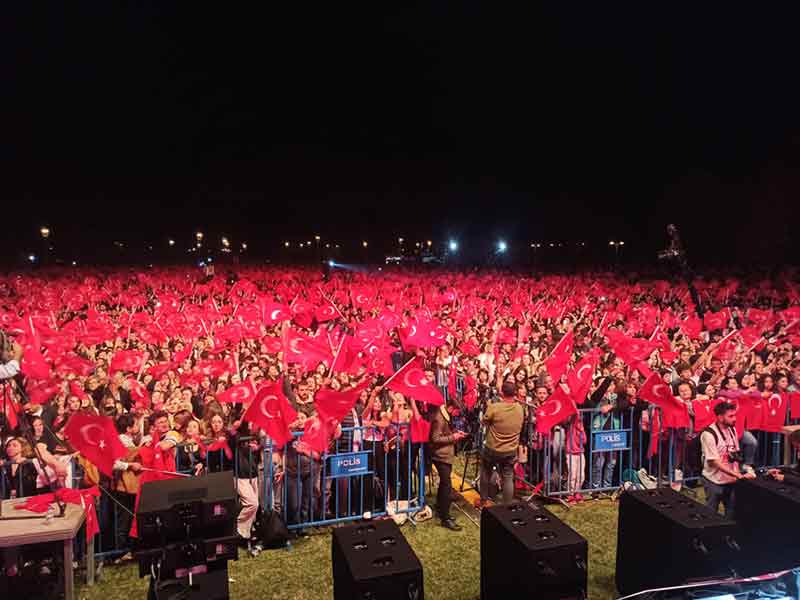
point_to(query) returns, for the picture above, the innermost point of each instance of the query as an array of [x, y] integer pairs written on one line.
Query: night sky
[[146, 120]]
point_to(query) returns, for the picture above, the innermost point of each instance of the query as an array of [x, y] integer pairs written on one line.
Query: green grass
[[450, 561]]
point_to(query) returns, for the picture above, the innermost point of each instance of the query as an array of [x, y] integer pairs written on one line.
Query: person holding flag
[[443, 439]]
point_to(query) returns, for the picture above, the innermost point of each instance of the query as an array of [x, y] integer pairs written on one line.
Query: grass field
[[450, 560]]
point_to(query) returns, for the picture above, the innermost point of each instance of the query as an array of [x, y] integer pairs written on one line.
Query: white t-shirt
[[719, 450]]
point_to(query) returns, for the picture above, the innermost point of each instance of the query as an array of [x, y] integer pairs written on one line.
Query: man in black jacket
[[442, 443]]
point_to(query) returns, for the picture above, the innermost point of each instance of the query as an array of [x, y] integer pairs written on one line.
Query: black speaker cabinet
[[211, 585], [665, 539], [206, 505], [528, 553], [373, 561], [768, 513]]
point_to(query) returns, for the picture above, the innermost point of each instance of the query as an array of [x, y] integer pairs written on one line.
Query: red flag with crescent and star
[[556, 409], [97, 439], [271, 411], [411, 381], [774, 412], [557, 362], [335, 405], [240, 393], [579, 379], [655, 391]]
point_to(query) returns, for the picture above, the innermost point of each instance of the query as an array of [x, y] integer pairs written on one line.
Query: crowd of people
[[496, 361]]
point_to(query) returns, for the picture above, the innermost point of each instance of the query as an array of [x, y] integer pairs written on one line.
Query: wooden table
[[787, 447], [23, 532]]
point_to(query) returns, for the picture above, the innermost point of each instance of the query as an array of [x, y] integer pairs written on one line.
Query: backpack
[[694, 455]]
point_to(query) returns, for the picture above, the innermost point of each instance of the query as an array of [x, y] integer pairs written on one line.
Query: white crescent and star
[[85, 434], [555, 403], [578, 374], [774, 411], [274, 314], [264, 404], [420, 378], [293, 346], [656, 391]]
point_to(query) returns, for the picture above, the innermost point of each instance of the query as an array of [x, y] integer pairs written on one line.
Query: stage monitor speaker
[[767, 512], [666, 539], [373, 561], [205, 505], [527, 553]]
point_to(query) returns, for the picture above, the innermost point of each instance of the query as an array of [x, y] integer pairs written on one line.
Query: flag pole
[[339, 349], [166, 472], [396, 373]]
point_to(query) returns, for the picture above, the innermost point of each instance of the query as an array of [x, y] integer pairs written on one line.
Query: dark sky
[[144, 120]]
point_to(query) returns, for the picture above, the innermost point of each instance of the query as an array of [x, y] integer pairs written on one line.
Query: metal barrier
[[360, 477], [607, 451]]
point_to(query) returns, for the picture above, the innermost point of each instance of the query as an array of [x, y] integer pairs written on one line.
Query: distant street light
[[45, 232], [171, 242], [502, 246], [453, 246], [364, 244]]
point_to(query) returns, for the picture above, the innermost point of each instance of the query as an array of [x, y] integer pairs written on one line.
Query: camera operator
[[10, 357], [721, 459], [790, 475]]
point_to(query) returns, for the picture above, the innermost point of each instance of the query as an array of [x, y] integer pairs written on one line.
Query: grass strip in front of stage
[[451, 562]]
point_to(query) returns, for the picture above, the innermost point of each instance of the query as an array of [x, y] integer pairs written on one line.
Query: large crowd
[[176, 356]]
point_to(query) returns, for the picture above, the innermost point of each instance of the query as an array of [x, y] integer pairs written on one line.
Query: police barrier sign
[[349, 464], [610, 440]]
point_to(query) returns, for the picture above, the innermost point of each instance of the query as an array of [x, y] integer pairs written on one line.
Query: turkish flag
[[41, 392], [335, 405], [272, 312], [420, 430], [303, 313], [152, 457], [139, 393], [127, 360], [411, 381], [556, 409], [72, 364], [703, 414], [271, 411], [751, 410], [97, 439], [774, 412], [794, 399], [506, 336], [300, 348], [762, 318], [240, 393], [718, 320], [469, 348], [361, 298], [692, 327], [655, 391], [11, 407], [370, 332], [557, 362], [325, 313], [579, 378], [422, 334], [181, 356], [379, 362], [316, 434], [630, 349]]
